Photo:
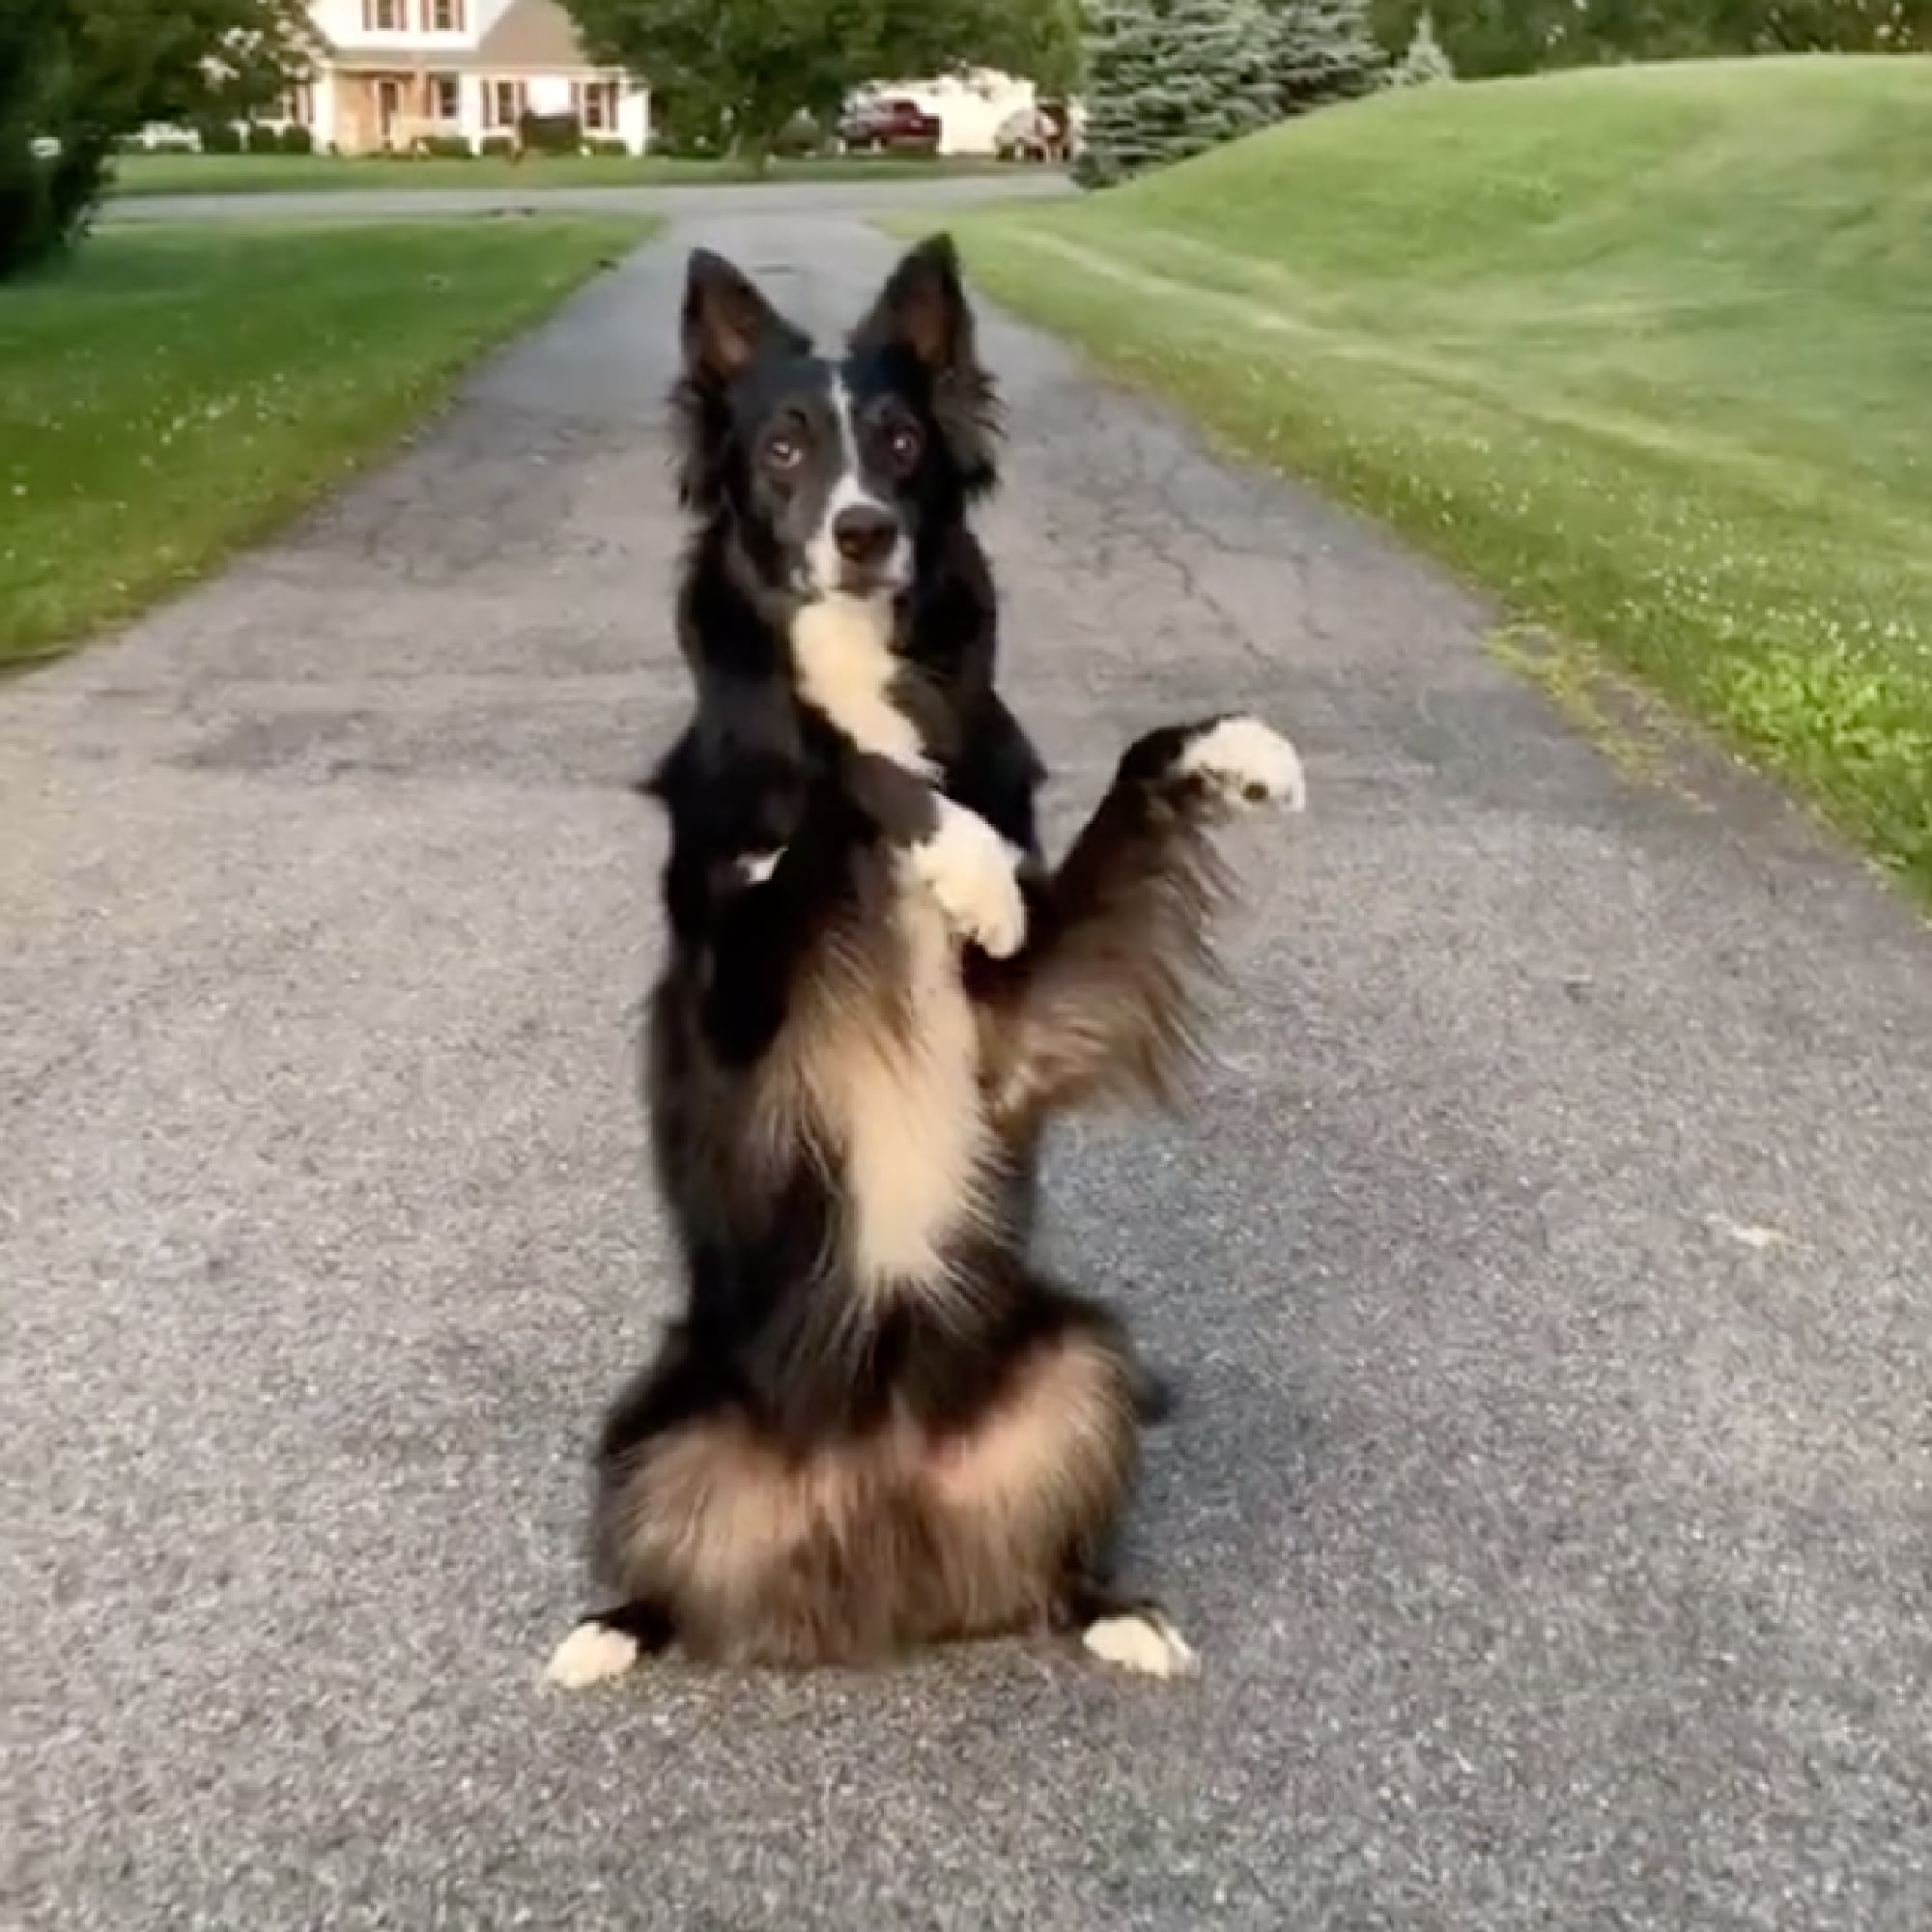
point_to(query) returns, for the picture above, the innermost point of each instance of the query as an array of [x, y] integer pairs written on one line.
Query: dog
[[877, 1424]]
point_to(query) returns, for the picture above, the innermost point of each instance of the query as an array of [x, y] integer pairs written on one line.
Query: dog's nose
[[865, 533]]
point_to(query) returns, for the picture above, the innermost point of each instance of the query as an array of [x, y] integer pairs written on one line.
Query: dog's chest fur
[[883, 1049]]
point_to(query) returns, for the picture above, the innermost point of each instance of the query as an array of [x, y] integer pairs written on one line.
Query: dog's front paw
[[1243, 761], [973, 872]]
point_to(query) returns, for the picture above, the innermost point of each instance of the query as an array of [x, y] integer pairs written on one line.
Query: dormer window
[[442, 16], [383, 16]]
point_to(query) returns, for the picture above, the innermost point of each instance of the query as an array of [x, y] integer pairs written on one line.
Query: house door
[[388, 109]]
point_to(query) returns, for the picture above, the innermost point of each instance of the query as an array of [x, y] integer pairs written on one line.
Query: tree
[[1323, 52], [752, 66], [1122, 49], [1169, 78], [1424, 63], [75, 76]]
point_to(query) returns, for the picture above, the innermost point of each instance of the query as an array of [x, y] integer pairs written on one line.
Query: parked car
[[891, 125], [1038, 133]]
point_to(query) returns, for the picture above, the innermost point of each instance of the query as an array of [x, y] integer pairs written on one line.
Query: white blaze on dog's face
[[862, 547]]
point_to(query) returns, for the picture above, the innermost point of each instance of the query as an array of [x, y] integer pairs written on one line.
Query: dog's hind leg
[[607, 1643], [1104, 998], [1132, 1633]]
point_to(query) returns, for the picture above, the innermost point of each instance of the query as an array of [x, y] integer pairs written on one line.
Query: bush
[[262, 140], [219, 137], [799, 137], [297, 140], [605, 144], [446, 148], [551, 133], [498, 147]]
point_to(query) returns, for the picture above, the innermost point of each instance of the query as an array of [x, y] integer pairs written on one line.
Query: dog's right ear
[[727, 321]]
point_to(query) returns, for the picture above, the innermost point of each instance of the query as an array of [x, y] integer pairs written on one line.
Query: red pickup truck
[[889, 126]]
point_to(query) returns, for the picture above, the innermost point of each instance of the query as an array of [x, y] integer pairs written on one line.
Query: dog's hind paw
[[1142, 1641], [593, 1653], [973, 874], [1244, 762]]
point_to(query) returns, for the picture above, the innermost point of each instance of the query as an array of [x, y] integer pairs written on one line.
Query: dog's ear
[[923, 306], [727, 321], [724, 323], [922, 310]]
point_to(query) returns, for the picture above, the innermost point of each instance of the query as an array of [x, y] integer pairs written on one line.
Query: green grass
[[178, 391], [1648, 352], [139, 176]]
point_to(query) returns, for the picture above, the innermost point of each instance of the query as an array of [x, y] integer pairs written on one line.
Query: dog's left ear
[[922, 308]]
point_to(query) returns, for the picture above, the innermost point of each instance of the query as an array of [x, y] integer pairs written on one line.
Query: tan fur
[[900, 1537], [1114, 1008], [841, 647], [877, 1067]]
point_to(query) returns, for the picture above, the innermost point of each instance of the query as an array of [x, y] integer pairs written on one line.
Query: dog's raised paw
[[1142, 1641], [593, 1653], [1247, 762], [973, 872]]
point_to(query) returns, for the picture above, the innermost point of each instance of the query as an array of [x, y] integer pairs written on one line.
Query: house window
[[504, 102], [597, 105], [446, 98], [382, 17], [442, 16], [298, 105]]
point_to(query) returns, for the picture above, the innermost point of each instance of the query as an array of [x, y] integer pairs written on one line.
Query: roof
[[531, 36]]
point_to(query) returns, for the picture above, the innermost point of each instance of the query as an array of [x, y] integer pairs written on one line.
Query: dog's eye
[[903, 445], [783, 452]]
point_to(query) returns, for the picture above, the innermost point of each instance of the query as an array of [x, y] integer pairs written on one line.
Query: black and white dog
[[877, 1425]]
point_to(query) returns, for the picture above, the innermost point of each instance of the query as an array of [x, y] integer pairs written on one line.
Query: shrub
[[446, 147], [297, 140], [262, 140], [800, 135], [219, 137], [605, 144], [551, 133], [498, 147]]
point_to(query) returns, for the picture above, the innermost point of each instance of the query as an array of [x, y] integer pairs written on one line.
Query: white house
[[392, 73]]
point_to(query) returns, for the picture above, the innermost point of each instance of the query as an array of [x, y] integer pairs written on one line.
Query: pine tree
[[1169, 78], [1123, 49], [1424, 63], [1221, 78], [1323, 52]]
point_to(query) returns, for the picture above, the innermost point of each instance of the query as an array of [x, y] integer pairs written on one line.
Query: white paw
[[1247, 762], [592, 1653], [755, 867], [973, 872], [1143, 1642]]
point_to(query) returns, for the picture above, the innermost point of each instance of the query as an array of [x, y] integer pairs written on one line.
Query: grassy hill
[[1646, 350]]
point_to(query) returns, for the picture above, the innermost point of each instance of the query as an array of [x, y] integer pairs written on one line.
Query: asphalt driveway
[[1551, 1272]]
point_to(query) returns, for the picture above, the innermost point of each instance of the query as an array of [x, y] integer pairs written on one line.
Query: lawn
[[145, 175], [1646, 352], [178, 391]]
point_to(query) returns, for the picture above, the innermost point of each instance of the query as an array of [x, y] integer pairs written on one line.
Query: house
[[392, 73]]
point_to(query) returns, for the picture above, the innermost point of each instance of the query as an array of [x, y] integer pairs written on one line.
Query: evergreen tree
[[1169, 78], [1323, 52], [1220, 76], [1123, 49], [1424, 63]]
